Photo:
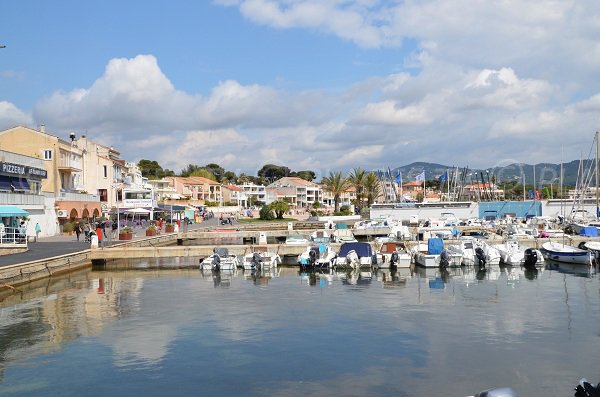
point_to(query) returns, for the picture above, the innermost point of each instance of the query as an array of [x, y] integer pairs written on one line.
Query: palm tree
[[336, 184], [372, 188], [357, 179]]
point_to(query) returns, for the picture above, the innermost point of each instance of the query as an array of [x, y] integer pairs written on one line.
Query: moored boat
[[220, 260], [565, 253]]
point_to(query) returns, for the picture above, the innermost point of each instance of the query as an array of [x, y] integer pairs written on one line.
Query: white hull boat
[[220, 260], [260, 259], [317, 256], [559, 252], [354, 256], [392, 254]]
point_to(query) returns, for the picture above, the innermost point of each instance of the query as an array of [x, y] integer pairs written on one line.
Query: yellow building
[[63, 162]]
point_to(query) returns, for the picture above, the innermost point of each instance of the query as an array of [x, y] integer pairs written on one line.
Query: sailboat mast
[[597, 197]]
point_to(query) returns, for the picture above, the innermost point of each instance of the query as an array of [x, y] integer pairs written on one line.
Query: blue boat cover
[[435, 246], [589, 231], [362, 249]]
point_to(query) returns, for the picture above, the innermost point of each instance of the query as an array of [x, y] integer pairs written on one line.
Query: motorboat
[[320, 237], [354, 256], [512, 253], [436, 255], [475, 252], [220, 259], [319, 256], [393, 254], [260, 258], [296, 239], [560, 252]]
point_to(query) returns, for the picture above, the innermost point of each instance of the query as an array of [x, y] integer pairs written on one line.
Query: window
[[48, 154], [103, 193], [105, 169]]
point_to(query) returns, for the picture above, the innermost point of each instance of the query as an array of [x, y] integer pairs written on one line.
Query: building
[[298, 192], [255, 193], [197, 190], [64, 166], [234, 195]]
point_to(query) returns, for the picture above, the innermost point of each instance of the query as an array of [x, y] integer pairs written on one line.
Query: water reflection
[[439, 332]]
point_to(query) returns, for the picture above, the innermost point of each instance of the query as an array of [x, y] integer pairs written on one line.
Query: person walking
[[78, 230], [38, 230]]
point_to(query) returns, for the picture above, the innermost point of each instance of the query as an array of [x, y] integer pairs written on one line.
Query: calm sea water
[[181, 332]]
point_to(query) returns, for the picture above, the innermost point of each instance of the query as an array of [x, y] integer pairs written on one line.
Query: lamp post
[[116, 187]]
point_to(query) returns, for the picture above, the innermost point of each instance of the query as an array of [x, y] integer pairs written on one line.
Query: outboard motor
[[499, 392], [312, 257], [444, 259], [480, 256], [256, 261], [530, 257], [586, 389], [393, 259], [216, 263]]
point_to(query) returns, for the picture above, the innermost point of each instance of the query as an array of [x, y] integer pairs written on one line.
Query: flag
[[444, 177], [399, 178], [420, 177]]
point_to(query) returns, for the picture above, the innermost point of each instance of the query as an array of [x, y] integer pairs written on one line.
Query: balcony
[[69, 165], [21, 199], [70, 196]]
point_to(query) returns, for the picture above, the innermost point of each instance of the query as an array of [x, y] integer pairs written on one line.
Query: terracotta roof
[[300, 181], [232, 187], [275, 191], [413, 183], [201, 179]]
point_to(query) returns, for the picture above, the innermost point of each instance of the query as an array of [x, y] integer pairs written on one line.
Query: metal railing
[[13, 236], [69, 196]]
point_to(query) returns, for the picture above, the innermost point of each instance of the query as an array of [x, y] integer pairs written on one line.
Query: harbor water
[[177, 331]]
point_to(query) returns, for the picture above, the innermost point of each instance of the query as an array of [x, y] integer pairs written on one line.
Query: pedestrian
[[38, 230], [115, 226], [86, 231], [77, 230]]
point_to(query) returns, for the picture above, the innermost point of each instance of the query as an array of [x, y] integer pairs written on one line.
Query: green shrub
[[266, 213], [68, 227]]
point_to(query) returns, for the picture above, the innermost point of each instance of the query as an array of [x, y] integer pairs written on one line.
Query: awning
[[11, 210], [20, 184], [5, 183]]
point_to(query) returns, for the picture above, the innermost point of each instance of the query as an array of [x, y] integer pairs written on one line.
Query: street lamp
[[116, 187]]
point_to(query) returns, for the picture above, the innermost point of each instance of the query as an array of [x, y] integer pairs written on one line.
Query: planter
[[125, 236], [150, 232], [169, 229]]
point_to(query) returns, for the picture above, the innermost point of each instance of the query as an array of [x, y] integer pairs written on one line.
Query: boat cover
[[589, 231], [435, 246], [362, 249]]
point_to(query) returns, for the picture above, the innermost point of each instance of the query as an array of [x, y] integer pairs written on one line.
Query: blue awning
[[20, 184], [5, 183], [11, 210]]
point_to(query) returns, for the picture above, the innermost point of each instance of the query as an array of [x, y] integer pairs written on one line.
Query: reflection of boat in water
[[356, 277], [221, 278], [262, 276], [570, 268], [392, 278]]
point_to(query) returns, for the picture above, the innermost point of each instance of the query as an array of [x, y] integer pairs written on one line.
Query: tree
[[336, 184], [280, 207], [372, 188], [229, 177], [357, 179], [272, 172], [187, 171], [306, 175], [216, 170], [151, 169], [204, 173]]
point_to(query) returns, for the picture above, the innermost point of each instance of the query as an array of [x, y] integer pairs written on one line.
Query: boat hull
[[566, 254]]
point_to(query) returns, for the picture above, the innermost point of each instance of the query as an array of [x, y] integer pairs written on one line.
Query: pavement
[[48, 247]]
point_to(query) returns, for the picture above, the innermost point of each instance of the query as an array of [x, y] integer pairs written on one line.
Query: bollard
[[94, 242]]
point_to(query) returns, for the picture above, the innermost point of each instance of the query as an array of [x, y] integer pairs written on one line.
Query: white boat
[[220, 260], [260, 258], [437, 256], [513, 254], [393, 254], [559, 252], [296, 239], [320, 237], [317, 256], [354, 256]]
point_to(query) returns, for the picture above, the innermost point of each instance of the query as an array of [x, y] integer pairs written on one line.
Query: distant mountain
[[545, 173]]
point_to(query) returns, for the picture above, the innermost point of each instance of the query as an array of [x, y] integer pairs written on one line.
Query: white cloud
[[11, 116]]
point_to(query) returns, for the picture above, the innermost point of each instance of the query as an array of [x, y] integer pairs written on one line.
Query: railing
[[13, 236], [69, 196], [21, 199], [68, 163]]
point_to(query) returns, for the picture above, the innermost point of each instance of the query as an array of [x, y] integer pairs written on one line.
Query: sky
[[326, 85]]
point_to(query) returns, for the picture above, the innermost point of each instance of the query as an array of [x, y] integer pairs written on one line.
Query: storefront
[[19, 178]]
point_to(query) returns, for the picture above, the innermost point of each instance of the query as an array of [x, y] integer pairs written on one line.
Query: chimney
[[43, 128]]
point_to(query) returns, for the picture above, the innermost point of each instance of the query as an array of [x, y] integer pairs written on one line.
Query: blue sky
[[322, 85]]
